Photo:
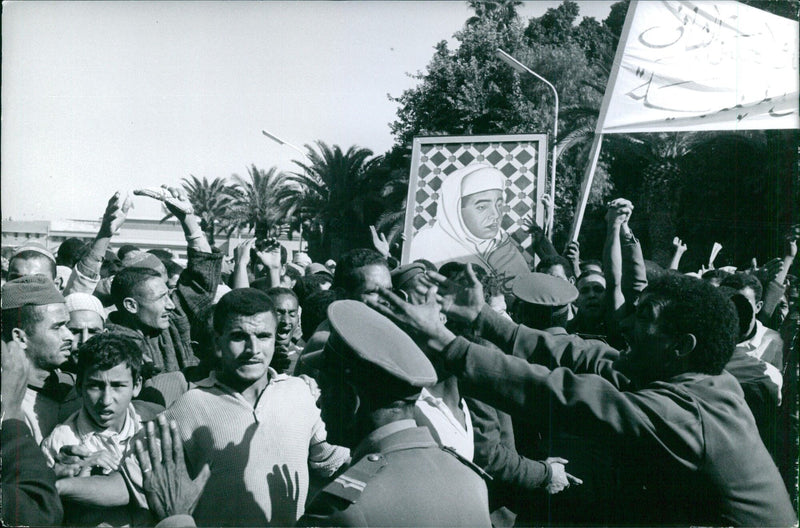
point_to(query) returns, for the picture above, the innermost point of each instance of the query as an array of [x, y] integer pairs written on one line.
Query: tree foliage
[[331, 195], [680, 183], [253, 202]]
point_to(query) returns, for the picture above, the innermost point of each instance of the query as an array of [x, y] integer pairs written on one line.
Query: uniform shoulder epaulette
[[351, 483], [469, 463]]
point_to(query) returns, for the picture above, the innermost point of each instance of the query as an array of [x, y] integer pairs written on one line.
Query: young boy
[[100, 433]]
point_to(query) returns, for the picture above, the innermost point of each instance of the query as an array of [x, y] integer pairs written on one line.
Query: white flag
[[703, 66]]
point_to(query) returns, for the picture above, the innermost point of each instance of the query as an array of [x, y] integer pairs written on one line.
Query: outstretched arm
[[86, 274], [680, 249]]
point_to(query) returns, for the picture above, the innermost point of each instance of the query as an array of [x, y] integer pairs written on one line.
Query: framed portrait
[[468, 196]]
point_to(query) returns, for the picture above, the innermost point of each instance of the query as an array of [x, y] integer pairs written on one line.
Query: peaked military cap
[[375, 354], [543, 289]]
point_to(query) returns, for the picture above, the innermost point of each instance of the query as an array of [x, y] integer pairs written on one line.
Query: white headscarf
[[471, 179]]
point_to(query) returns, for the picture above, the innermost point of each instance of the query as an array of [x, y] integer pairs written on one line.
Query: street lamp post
[[521, 68], [279, 141]]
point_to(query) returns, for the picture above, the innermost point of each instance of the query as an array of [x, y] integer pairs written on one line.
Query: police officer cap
[[376, 354], [405, 273], [543, 289]]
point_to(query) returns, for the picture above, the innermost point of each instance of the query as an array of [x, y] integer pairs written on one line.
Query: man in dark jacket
[[170, 325], [688, 450]]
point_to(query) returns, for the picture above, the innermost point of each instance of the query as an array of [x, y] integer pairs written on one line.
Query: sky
[[106, 96]]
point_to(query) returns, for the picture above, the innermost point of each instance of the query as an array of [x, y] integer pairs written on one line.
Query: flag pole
[[594, 154]]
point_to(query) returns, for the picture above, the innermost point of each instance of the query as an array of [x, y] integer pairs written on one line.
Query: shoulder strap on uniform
[[351, 483], [469, 463]]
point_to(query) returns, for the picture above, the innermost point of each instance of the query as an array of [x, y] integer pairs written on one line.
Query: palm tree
[[209, 200], [254, 202], [330, 195]]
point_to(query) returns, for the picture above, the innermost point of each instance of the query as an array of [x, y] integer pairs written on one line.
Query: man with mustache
[[35, 317]]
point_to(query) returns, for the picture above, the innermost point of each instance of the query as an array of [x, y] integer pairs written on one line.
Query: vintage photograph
[[400, 263]]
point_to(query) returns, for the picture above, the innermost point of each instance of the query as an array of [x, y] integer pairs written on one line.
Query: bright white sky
[[100, 96]]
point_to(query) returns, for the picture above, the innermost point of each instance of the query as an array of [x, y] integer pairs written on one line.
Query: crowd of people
[[269, 390]]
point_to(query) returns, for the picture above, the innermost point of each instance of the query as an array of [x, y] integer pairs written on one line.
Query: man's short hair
[[556, 260], [126, 281], [687, 305], [24, 317], [716, 274], [163, 255], [107, 350], [70, 252], [277, 291], [124, 250], [346, 277], [315, 310], [739, 281], [241, 302], [32, 254], [309, 285]]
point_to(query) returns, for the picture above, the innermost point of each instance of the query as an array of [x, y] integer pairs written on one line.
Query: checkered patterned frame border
[[522, 158]]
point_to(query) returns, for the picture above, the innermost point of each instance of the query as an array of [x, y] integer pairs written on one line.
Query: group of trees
[[332, 199], [740, 189]]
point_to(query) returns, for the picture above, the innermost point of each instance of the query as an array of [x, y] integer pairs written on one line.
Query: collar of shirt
[[755, 341], [213, 381], [86, 428]]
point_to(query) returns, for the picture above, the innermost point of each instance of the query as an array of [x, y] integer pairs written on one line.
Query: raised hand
[[379, 241], [679, 246], [716, 248], [174, 199], [167, 485], [532, 227], [421, 321], [619, 211], [461, 303], [271, 256], [242, 252], [791, 244], [115, 215]]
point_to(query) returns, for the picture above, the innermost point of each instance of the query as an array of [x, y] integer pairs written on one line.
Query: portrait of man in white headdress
[[468, 224]]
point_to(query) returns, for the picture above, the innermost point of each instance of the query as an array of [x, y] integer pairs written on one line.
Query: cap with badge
[[31, 290], [375, 355], [543, 289]]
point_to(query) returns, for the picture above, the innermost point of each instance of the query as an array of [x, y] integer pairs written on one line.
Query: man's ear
[[19, 335], [59, 282], [685, 345], [137, 386], [130, 304], [759, 305]]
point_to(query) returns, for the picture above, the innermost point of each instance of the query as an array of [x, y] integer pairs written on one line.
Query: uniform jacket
[[688, 450], [401, 477]]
